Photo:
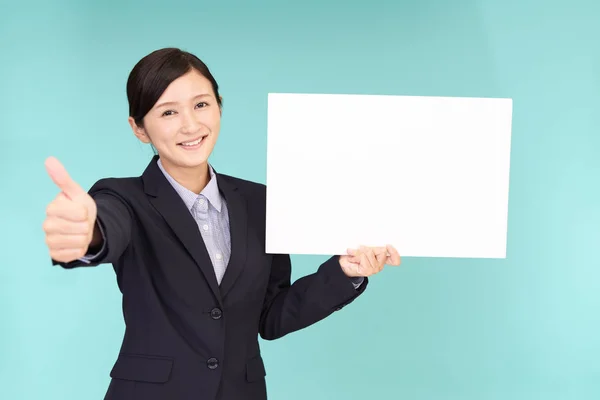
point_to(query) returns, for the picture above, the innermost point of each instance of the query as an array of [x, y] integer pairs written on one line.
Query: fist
[[70, 217]]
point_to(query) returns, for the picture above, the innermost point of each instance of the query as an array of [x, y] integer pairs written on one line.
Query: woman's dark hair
[[151, 76]]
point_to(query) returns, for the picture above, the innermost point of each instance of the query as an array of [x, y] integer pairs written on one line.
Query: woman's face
[[184, 123]]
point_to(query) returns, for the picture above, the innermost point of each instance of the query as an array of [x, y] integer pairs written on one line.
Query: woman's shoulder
[[245, 186], [123, 187]]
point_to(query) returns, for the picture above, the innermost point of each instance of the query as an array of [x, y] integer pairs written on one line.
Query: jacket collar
[[173, 209]]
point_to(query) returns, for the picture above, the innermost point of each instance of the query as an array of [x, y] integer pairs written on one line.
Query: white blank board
[[429, 175]]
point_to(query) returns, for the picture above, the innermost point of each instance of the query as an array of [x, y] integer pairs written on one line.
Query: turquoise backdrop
[[523, 328]]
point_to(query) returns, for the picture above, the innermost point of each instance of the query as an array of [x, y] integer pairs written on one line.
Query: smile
[[192, 143]]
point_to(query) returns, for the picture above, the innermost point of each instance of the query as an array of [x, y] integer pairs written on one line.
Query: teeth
[[195, 142]]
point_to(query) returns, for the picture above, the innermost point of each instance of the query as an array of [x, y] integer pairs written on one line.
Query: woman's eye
[[167, 113], [201, 104]]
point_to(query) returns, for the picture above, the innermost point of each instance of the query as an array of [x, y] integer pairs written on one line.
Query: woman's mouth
[[192, 144]]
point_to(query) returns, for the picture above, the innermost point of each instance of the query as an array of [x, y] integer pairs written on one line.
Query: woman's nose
[[189, 123]]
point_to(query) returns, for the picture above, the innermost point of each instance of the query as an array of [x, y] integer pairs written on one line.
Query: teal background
[[527, 327]]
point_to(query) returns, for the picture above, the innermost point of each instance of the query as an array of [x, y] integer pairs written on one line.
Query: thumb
[[61, 178]]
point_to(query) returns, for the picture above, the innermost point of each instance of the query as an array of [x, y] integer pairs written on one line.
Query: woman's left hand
[[367, 261]]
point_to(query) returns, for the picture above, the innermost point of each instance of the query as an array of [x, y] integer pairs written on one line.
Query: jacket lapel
[[168, 203], [238, 223]]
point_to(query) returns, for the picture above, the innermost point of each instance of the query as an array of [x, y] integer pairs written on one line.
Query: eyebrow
[[167, 103]]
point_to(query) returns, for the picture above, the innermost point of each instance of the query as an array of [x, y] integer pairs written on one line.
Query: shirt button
[[205, 227], [212, 363], [219, 256], [201, 202]]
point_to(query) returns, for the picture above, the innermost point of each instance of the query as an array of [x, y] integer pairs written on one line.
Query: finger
[[67, 255], [376, 260], [354, 259], [381, 255], [364, 264], [61, 178], [394, 256], [372, 260], [376, 250], [354, 255], [63, 226], [349, 264], [66, 242], [382, 258], [379, 250], [67, 209]]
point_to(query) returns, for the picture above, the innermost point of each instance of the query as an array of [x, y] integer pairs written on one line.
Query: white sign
[[429, 175]]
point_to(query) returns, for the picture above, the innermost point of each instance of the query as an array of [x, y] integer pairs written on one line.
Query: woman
[[187, 246]]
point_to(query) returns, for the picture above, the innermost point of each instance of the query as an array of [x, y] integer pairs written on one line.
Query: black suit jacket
[[187, 337]]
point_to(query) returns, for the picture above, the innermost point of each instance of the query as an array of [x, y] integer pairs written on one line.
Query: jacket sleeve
[[291, 307], [115, 222]]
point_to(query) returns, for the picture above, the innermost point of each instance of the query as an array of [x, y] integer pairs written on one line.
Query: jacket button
[[212, 363], [215, 313]]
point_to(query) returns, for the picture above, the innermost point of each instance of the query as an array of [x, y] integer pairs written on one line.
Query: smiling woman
[[178, 110], [187, 245]]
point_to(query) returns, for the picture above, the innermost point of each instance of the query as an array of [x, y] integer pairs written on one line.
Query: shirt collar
[[210, 191]]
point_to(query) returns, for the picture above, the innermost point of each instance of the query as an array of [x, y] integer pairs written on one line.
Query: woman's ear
[[139, 131]]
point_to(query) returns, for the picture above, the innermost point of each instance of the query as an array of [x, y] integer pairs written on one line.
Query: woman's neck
[[192, 178]]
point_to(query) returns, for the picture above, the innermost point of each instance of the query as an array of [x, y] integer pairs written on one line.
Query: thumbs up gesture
[[70, 217]]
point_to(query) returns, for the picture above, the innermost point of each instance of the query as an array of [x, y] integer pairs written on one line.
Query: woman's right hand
[[70, 223]]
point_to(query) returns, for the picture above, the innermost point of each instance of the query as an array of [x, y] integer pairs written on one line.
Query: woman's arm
[[112, 229], [78, 222], [291, 307]]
